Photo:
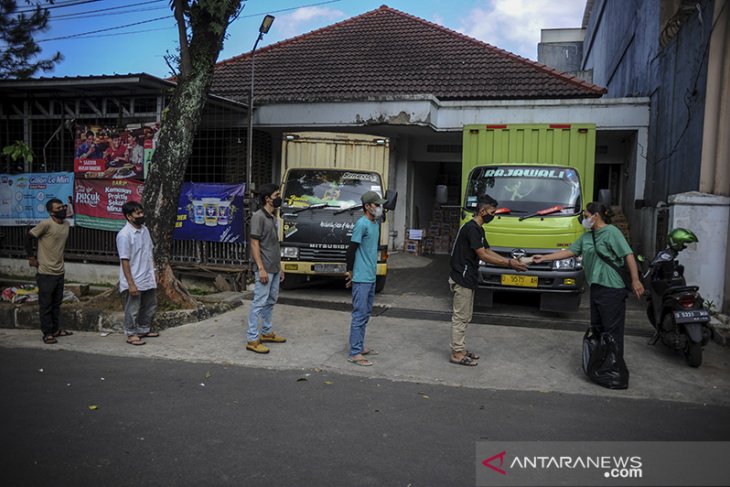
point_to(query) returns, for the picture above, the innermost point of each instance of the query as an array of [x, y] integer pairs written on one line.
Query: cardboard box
[[412, 246]]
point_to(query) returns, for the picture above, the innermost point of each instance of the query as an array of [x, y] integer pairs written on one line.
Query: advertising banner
[[210, 212], [23, 197], [114, 152], [99, 202]]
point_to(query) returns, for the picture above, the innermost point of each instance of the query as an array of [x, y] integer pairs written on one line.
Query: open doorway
[[435, 190]]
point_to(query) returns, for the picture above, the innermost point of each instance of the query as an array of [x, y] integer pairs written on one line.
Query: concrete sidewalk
[[513, 357]]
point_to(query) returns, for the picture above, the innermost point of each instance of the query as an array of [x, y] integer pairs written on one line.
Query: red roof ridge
[[566, 78]]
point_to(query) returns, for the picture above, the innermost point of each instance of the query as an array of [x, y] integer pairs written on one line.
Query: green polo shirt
[[611, 244]]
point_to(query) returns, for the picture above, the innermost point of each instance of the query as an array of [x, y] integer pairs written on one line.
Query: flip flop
[[370, 352], [49, 340], [135, 340], [362, 362], [465, 360], [149, 334], [63, 333]]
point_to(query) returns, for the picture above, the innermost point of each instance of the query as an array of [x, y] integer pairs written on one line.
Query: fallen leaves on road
[[93, 407]]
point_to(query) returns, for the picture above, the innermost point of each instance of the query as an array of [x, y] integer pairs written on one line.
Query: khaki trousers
[[463, 306]]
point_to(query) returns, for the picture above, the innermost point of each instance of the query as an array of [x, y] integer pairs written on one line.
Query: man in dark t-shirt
[[470, 247]]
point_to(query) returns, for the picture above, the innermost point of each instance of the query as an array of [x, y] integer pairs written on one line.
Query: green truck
[[542, 177]]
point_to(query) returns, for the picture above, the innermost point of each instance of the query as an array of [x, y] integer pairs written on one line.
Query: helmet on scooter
[[680, 237]]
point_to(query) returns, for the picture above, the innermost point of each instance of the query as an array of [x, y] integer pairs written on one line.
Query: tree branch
[[179, 7]]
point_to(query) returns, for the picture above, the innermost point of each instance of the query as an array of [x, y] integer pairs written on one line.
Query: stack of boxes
[[438, 237], [619, 221]]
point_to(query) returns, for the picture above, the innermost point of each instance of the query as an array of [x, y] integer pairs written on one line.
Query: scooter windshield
[[526, 189]]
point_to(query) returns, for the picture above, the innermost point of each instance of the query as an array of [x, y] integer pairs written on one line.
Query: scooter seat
[[683, 289]]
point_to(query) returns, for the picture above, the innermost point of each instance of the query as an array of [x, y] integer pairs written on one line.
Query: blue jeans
[[262, 306], [363, 294]]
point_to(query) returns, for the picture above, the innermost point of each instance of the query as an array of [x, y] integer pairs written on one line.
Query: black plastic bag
[[601, 361]]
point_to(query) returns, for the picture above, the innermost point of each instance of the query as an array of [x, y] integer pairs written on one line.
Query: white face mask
[[587, 223], [377, 212]]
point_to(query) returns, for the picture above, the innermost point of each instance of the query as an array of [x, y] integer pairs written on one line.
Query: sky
[[96, 37]]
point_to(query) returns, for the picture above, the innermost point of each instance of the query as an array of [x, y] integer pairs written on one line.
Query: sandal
[[363, 362], [370, 352], [149, 334], [465, 360], [63, 333], [472, 355], [49, 340], [135, 340]]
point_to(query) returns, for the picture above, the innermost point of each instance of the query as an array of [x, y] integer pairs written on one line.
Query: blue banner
[[23, 197], [210, 212]]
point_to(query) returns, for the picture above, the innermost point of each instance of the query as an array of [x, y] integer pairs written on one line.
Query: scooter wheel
[[693, 354]]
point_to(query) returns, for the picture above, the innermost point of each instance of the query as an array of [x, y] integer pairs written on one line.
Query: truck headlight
[[568, 264], [290, 252]]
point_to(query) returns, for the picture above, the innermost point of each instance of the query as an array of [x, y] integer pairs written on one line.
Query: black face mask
[[60, 214], [139, 221], [488, 218], [276, 202]]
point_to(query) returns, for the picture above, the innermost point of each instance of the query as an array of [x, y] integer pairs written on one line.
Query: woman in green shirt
[[608, 291]]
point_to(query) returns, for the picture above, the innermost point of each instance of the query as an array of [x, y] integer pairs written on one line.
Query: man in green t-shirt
[[51, 236]]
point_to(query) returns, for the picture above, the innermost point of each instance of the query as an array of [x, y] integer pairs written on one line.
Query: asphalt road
[[161, 422]]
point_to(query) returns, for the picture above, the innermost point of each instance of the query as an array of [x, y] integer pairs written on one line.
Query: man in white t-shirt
[[137, 280]]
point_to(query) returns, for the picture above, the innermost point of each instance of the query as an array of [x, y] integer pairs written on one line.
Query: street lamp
[[263, 29]]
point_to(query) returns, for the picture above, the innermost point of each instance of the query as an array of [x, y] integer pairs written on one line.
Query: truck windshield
[[526, 189], [328, 188]]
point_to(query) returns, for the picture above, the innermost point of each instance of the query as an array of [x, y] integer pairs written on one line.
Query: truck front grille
[[322, 255]]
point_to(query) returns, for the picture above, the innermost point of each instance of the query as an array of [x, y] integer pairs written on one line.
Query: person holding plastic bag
[[605, 255]]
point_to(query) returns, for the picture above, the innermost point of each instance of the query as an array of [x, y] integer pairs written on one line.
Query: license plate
[[694, 316], [519, 281], [330, 268]]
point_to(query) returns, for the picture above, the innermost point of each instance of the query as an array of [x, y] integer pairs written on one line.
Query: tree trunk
[[208, 24]]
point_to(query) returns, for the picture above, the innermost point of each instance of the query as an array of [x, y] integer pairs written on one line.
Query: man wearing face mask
[[51, 236], [469, 248], [268, 274], [137, 279], [362, 264]]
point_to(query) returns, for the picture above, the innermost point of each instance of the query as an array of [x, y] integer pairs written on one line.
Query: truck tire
[[379, 283]]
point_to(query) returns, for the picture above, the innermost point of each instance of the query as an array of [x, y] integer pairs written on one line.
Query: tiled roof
[[387, 53]]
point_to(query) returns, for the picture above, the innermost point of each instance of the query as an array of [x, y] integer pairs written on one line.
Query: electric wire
[[59, 5], [71, 16]]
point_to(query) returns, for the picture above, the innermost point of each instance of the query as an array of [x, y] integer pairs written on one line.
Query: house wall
[[622, 47]]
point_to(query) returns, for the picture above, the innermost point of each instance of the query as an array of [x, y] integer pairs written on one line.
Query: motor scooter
[[675, 310]]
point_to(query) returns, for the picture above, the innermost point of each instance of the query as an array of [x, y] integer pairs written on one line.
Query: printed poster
[[210, 212], [23, 197], [114, 152], [99, 201]]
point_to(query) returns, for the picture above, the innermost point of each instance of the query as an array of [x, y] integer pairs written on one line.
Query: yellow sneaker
[[257, 347], [273, 338]]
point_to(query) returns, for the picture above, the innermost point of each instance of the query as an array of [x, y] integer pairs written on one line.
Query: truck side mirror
[[391, 200]]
